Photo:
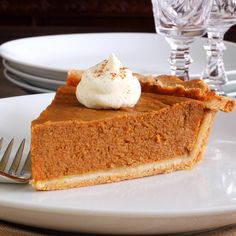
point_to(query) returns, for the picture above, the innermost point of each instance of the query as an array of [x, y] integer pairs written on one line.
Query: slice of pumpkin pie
[[108, 124]]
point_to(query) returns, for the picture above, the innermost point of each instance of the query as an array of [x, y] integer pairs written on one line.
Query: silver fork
[[16, 173]]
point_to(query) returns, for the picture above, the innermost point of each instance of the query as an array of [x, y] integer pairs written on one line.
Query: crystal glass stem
[[179, 58], [214, 73]]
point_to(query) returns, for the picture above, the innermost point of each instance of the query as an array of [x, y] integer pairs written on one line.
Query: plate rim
[[23, 84], [29, 76], [121, 214]]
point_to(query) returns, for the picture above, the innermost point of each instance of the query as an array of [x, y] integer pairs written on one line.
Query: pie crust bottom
[[118, 174]]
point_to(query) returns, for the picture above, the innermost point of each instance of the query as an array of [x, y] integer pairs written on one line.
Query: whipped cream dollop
[[108, 85]]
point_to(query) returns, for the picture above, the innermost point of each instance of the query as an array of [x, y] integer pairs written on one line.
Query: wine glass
[[181, 21], [222, 17]]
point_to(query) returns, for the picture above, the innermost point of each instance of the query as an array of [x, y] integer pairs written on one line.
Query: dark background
[[23, 18]]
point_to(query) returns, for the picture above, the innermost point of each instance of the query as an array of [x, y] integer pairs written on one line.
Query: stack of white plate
[[17, 75], [40, 64]]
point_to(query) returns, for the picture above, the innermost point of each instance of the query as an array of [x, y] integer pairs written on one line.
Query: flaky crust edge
[[172, 85]]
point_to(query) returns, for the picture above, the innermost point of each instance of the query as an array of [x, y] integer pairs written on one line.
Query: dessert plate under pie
[[183, 201]]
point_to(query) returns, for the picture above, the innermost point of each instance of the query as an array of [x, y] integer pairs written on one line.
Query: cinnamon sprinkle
[[113, 75]]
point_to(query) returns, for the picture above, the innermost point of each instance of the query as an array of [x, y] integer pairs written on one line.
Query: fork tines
[[15, 170]]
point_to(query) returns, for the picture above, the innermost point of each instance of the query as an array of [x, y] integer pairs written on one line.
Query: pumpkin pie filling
[[81, 140]]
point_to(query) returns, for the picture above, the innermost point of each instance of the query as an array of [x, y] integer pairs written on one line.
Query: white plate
[[21, 83], [52, 56], [34, 80], [230, 88], [50, 74], [232, 94], [50, 84], [198, 199]]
